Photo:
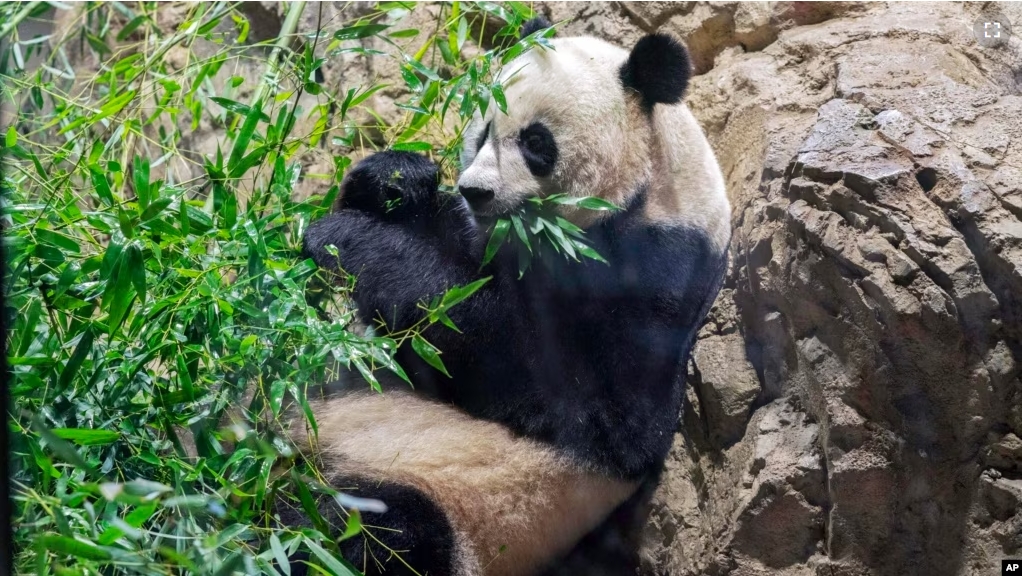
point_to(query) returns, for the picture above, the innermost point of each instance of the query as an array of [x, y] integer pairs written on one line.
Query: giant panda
[[565, 384]]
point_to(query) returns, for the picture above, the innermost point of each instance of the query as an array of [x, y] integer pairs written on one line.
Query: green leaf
[[568, 226], [597, 204], [520, 231], [112, 106], [99, 182], [64, 545], [429, 353], [239, 108], [277, 390], [406, 33], [588, 252], [462, 33], [413, 82], [497, 237], [443, 318], [498, 96], [279, 554], [421, 68], [62, 448], [136, 266], [137, 517], [86, 436], [97, 44], [118, 294], [252, 159], [309, 503], [49, 237], [587, 202], [412, 146], [356, 32], [141, 178], [353, 526], [79, 355], [356, 100], [184, 377], [154, 209], [130, 27], [329, 561], [11, 140], [247, 342], [245, 135], [559, 237], [460, 293]]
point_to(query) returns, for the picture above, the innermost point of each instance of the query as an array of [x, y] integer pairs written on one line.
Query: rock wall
[[855, 403]]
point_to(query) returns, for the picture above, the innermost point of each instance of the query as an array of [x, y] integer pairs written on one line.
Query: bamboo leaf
[[429, 353], [102, 187], [81, 352], [245, 135], [497, 237], [329, 561], [239, 108], [597, 204], [280, 555], [130, 27], [412, 146], [458, 294], [357, 32], [67, 546], [141, 178], [64, 450], [86, 436], [353, 527], [136, 266]]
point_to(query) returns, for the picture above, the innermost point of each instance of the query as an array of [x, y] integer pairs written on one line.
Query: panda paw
[[391, 183]]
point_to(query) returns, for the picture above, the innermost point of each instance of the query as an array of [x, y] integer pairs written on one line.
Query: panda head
[[580, 121]]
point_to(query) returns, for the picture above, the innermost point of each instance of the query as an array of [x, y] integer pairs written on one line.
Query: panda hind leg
[[612, 549], [412, 537]]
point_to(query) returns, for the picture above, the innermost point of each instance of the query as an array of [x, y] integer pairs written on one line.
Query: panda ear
[[530, 26], [658, 68]]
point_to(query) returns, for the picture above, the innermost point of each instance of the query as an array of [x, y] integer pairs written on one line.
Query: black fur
[[416, 529], [398, 182], [539, 149], [583, 356], [530, 26], [658, 68]]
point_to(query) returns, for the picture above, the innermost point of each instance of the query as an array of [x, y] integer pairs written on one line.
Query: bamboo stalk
[[13, 22], [294, 14]]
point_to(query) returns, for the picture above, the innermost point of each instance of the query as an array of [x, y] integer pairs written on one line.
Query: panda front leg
[[403, 239], [394, 267]]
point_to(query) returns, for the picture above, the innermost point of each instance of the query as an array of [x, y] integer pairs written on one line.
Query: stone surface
[[872, 157]]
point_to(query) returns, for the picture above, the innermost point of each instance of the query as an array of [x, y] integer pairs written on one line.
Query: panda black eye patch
[[538, 148], [483, 136]]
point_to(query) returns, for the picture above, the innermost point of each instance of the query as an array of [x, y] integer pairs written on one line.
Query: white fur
[[496, 489], [607, 146]]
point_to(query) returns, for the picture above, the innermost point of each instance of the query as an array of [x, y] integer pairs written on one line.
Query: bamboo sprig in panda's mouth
[[538, 228]]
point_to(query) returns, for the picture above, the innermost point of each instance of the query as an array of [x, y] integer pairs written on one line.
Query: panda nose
[[476, 196]]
